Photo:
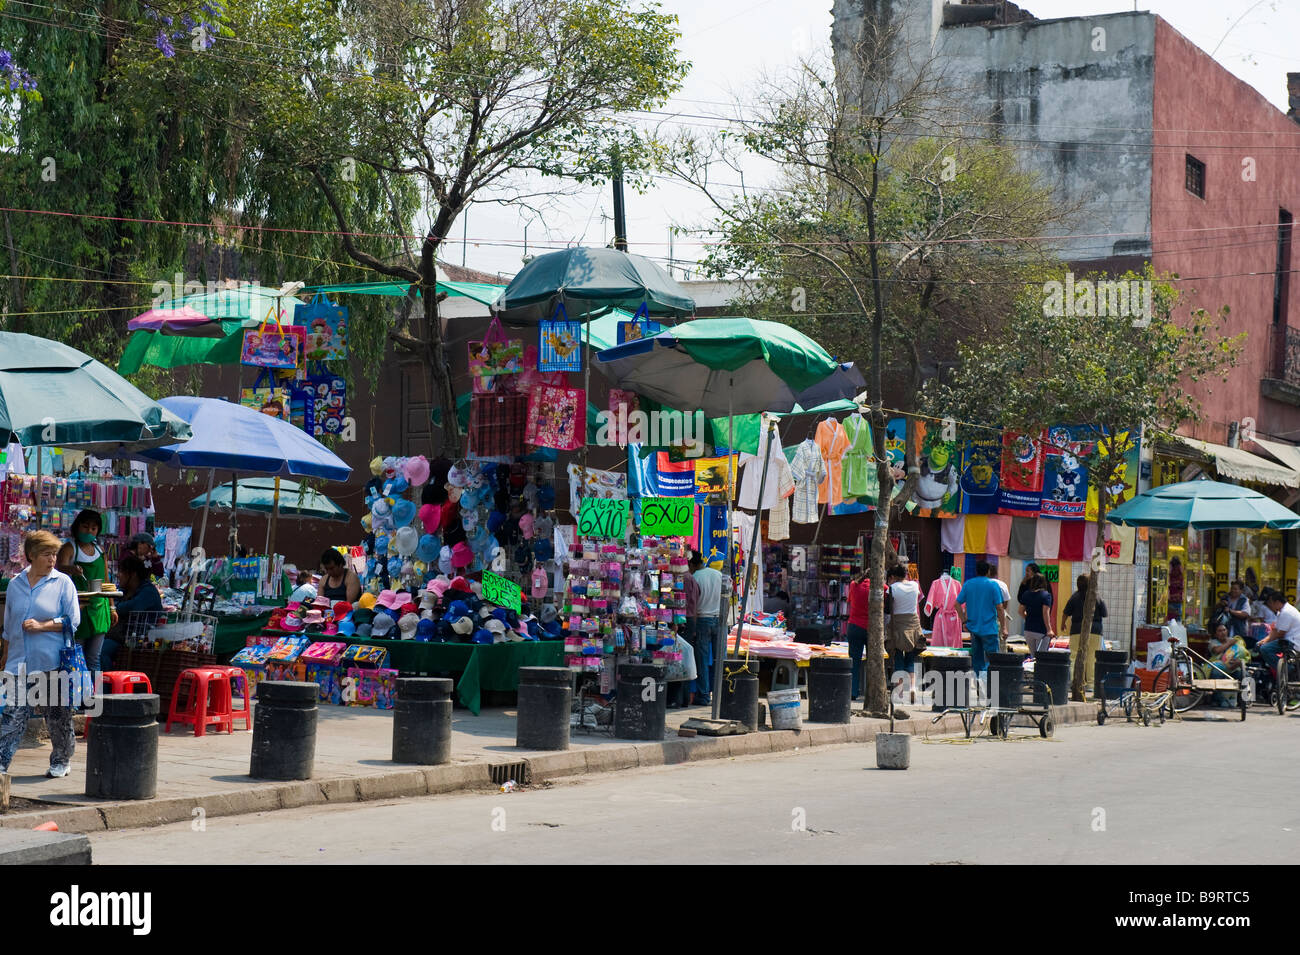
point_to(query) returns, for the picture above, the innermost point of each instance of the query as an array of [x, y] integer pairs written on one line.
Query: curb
[[462, 777]]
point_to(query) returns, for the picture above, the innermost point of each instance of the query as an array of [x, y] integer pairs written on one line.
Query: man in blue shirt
[[982, 608]]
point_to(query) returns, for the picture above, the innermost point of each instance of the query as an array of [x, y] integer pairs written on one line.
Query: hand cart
[[1035, 703], [1123, 691], [1186, 689]]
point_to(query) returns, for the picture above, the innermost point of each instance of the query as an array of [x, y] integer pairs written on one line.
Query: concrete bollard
[[893, 750], [422, 721], [284, 730], [122, 752], [642, 709], [740, 692], [545, 699]]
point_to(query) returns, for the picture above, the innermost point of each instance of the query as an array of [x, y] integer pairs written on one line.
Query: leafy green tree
[[456, 101], [1119, 370], [886, 235]]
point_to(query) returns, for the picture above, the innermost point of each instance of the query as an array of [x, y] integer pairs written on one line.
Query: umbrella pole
[[207, 506], [720, 638], [233, 539], [40, 496], [753, 540], [275, 514]]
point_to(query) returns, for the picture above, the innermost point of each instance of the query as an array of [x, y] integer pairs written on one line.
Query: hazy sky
[[730, 42]]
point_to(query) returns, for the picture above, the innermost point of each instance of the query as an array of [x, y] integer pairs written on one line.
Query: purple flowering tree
[[196, 27]]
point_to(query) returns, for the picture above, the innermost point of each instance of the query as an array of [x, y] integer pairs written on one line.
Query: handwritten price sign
[[504, 593], [667, 516], [600, 517]]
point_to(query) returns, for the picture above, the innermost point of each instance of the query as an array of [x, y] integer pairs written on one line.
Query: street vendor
[[82, 559], [142, 546], [338, 580]]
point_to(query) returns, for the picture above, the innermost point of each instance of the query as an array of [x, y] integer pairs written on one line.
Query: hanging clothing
[[860, 477], [1074, 540], [974, 533], [1047, 539], [808, 471], [778, 518], [1021, 545], [832, 442], [1126, 536], [942, 602], [952, 531], [999, 535], [753, 476]]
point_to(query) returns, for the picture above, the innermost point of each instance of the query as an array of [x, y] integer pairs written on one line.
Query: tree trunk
[[876, 693], [436, 352], [1077, 682]]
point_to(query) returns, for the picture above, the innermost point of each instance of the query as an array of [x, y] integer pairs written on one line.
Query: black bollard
[[1008, 670], [642, 707], [1110, 669], [545, 699], [422, 721], [1053, 668], [830, 690], [740, 692], [284, 730], [947, 678], [122, 751]]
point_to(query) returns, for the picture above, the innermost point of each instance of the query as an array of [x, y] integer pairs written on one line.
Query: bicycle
[[1185, 690], [1286, 694]]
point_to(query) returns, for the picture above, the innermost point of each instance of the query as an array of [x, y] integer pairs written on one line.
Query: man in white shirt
[[1285, 628]]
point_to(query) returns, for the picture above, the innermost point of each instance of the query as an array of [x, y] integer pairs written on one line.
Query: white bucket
[[785, 709]]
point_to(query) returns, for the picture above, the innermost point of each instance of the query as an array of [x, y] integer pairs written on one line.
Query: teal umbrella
[[483, 292], [257, 496], [724, 366], [584, 280], [53, 395], [1203, 505]]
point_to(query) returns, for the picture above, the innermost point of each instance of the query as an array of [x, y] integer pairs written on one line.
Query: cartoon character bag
[[280, 347]]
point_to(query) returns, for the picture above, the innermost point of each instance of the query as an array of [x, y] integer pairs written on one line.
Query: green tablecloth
[[232, 632], [491, 666]]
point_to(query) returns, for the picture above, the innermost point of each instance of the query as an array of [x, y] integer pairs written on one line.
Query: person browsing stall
[[713, 584], [82, 559], [40, 605], [983, 611]]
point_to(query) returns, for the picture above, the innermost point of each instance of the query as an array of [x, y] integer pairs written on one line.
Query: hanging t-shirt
[[832, 442]]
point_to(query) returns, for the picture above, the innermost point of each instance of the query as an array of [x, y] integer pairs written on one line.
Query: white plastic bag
[[1158, 654]]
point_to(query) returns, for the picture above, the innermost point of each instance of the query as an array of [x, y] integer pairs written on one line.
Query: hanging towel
[[975, 533], [999, 534], [1021, 546], [1125, 536], [1072, 544], [950, 533], [1047, 539]]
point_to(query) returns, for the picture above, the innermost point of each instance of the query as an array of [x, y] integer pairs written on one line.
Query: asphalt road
[[1096, 795]]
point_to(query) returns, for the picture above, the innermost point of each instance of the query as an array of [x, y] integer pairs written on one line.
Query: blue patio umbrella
[[1203, 505]]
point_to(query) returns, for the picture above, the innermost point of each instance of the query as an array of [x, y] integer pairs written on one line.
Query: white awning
[[1240, 465], [1288, 454]]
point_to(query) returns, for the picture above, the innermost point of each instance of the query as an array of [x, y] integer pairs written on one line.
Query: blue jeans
[[857, 647], [981, 645], [705, 632], [903, 660], [1269, 652]]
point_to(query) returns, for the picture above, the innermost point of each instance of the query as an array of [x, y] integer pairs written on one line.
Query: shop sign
[[667, 516], [502, 592], [600, 517], [1051, 573]]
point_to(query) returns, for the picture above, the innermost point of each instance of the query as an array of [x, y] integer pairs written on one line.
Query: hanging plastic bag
[[266, 347], [493, 357], [640, 327], [559, 343]]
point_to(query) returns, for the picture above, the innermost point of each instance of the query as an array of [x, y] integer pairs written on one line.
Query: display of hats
[[396, 486], [407, 539], [291, 622], [462, 625], [408, 624], [381, 544], [386, 598], [403, 512], [363, 631], [321, 603], [341, 609], [496, 626], [453, 493], [444, 560], [553, 628], [313, 618], [460, 583], [382, 508], [377, 466], [424, 630], [461, 555], [426, 551], [526, 526], [549, 613], [383, 624], [458, 477], [484, 636], [366, 601], [543, 527], [331, 628], [347, 627], [495, 520], [543, 548], [409, 607]]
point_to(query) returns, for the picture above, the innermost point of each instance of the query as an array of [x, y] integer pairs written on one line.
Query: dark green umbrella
[[258, 496], [585, 280], [53, 395]]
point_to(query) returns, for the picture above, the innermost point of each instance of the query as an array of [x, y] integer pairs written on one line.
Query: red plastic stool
[[241, 675], [123, 681], [206, 701]]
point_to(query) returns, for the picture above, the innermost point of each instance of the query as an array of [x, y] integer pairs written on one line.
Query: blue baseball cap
[[424, 631]]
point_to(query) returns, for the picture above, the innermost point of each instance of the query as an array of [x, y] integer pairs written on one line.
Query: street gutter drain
[[504, 772]]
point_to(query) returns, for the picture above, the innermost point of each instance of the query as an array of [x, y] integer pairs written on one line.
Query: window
[[1195, 177], [1282, 273]]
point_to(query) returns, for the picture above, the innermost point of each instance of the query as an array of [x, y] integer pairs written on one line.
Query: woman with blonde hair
[[40, 608]]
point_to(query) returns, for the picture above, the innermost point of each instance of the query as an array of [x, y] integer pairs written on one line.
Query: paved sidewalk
[[353, 746]]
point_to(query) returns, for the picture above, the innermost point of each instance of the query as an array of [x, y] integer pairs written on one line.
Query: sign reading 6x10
[[667, 516], [600, 517]]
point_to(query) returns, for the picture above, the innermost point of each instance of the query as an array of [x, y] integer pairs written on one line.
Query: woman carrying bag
[[40, 613], [83, 561]]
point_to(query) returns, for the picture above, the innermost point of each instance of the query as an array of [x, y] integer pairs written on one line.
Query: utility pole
[[620, 215]]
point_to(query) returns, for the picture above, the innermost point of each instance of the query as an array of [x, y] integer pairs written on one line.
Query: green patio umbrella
[[1203, 505], [53, 395], [483, 292], [257, 496], [584, 280]]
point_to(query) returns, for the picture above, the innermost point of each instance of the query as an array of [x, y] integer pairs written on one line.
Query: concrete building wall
[[1225, 245]]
